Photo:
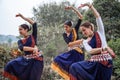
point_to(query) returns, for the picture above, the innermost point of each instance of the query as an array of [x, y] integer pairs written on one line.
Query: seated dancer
[[30, 65], [99, 65], [62, 62]]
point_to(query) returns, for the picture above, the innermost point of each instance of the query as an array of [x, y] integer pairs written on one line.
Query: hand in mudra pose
[[15, 52]]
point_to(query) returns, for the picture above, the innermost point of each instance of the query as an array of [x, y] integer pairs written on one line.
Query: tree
[[9, 42], [53, 14]]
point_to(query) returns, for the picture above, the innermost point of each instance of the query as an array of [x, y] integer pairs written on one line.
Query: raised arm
[[99, 22], [79, 15], [98, 18], [26, 19], [95, 12], [75, 10], [33, 23]]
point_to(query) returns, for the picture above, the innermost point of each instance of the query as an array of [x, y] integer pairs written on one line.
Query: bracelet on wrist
[[104, 49]]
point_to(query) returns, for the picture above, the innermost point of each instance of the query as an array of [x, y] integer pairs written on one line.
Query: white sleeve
[[100, 26], [86, 46], [101, 31]]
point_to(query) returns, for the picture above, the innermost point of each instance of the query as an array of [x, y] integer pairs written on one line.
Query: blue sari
[[92, 70], [63, 61], [27, 67]]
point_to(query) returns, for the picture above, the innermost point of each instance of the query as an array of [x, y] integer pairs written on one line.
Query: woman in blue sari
[[62, 62], [99, 65], [30, 65]]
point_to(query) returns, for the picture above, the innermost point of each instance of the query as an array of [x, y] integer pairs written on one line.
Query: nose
[[83, 33]]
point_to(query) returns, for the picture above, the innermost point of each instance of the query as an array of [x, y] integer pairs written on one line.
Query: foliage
[[115, 45], [53, 14], [4, 58], [50, 19], [50, 41]]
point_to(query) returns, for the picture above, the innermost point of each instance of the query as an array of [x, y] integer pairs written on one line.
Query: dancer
[[30, 65], [62, 62], [99, 66]]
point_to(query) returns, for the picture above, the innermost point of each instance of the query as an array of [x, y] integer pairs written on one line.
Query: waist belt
[[34, 56], [77, 48], [101, 57]]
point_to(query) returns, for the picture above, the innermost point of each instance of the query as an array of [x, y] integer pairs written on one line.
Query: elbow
[[97, 15], [69, 44], [21, 48], [89, 51], [81, 17]]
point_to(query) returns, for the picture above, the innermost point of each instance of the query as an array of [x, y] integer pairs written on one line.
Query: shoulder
[[80, 20], [34, 24], [19, 41], [64, 34]]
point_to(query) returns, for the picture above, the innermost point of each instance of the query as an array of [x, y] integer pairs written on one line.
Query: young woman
[[99, 66], [63, 61], [29, 66]]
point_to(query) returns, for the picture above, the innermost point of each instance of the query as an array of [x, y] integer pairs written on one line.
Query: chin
[[85, 35]]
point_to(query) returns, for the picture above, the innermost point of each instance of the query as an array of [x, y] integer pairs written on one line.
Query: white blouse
[[101, 32]]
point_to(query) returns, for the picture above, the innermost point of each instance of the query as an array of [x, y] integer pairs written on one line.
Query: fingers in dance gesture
[[68, 7], [25, 18], [19, 15], [85, 4], [75, 10]]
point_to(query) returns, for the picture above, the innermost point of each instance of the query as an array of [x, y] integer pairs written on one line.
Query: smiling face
[[67, 28], [22, 31]]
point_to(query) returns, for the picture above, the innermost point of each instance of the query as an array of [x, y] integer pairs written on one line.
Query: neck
[[26, 35], [91, 35]]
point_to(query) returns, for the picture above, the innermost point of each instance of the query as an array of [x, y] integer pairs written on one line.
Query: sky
[[9, 8]]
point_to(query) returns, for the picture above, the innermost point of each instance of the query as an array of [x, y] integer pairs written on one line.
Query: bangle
[[104, 49]]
